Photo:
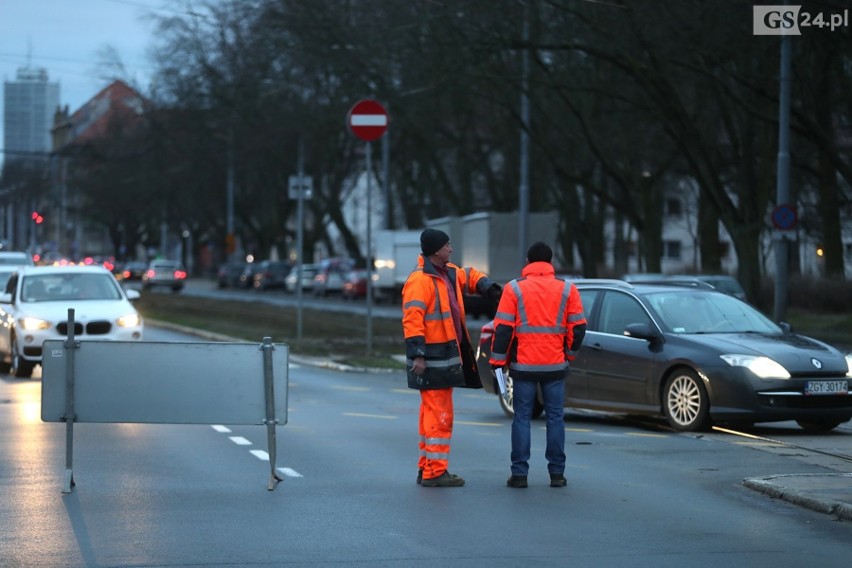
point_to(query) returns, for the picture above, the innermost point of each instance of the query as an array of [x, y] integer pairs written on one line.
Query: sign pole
[[783, 181], [300, 221], [369, 253], [368, 120]]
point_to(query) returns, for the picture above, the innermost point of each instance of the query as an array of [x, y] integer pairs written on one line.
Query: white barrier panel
[[163, 383]]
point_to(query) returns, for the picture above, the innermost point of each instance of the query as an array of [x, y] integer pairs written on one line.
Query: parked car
[[695, 356], [247, 275], [134, 270], [308, 273], [331, 274], [16, 258], [477, 306], [270, 274], [34, 307], [355, 284], [228, 275], [721, 282], [166, 274]]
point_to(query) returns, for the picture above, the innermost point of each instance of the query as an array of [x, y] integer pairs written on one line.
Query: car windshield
[[63, 287], [694, 312]]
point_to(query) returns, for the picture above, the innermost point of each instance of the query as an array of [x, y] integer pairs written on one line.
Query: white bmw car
[[35, 303]]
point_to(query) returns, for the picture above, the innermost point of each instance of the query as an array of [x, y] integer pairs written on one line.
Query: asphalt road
[[178, 495]]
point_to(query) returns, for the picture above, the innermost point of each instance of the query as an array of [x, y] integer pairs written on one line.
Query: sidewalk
[[825, 493]]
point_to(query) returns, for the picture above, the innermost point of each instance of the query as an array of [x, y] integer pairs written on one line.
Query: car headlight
[[849, 365], [130, 320], [33, 324], [763, 367]]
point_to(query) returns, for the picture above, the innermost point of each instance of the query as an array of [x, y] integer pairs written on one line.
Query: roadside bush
[[813, 294]]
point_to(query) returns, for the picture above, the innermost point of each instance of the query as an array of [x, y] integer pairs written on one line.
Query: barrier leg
[[70, 345], [271, 422]]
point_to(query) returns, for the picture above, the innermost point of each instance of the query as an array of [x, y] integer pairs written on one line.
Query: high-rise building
[[29, 103]]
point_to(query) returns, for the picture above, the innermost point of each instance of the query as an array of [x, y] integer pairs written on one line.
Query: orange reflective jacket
[[428, 327], [539, 323]]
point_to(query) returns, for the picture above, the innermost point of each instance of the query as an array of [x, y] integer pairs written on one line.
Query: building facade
[[29, 103]]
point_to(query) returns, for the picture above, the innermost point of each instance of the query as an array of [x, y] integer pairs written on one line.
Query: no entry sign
[[368, 120]]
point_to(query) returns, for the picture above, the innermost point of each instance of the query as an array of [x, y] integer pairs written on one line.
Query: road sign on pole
[[368, 120], [784, 217], [300, 186]]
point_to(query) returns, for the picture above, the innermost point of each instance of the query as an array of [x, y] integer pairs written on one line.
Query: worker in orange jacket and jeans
[[439, 355], [538, 327]]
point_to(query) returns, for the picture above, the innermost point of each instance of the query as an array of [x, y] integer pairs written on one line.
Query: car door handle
[[596, 347]]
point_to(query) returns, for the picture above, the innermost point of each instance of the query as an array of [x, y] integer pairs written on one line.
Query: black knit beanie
[[432, 240], [539, 252]]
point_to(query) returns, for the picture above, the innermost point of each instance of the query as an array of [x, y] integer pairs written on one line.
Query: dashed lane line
[[646, 435], [259, 454], [380, 416]]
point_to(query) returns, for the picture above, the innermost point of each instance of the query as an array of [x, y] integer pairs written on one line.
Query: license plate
[[827, 387]]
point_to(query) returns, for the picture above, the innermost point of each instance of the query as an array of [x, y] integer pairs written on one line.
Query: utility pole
[[783, 181], [524, 189]]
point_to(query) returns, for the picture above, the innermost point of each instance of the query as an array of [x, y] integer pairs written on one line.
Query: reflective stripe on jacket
[[428, 327], [535, 324]]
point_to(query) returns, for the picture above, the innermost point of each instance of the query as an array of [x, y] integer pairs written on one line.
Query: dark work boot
[[446, 479], [517, 481], [557, 480]]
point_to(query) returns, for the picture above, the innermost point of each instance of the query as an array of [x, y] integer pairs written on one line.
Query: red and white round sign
[[368, 120]]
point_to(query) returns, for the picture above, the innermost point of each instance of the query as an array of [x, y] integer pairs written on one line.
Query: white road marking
[[492, 424], [289, 472], [260, 454], [359, 415]]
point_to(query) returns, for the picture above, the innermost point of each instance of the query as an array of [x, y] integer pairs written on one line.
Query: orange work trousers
[[436, 430]]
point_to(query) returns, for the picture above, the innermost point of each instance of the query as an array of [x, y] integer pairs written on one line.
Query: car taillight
[[151, 273], [126, 274], [180, 274]]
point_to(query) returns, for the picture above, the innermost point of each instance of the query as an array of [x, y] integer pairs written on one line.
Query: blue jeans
[[553, 393]]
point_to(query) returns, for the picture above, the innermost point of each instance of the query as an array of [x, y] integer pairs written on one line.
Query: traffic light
[[37, 218]]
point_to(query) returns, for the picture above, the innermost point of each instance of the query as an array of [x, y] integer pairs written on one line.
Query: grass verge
[[340, 336]]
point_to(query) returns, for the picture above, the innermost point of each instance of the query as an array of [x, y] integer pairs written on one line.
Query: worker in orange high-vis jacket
[[439, 355], [539, 326]]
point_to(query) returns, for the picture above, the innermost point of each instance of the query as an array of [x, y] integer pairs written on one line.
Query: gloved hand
[[494, 293]]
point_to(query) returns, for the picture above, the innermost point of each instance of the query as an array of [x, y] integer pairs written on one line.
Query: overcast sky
[[66, 38]]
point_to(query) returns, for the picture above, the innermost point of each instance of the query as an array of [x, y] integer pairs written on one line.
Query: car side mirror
[[5, 298], [642, 331], [133, 295]]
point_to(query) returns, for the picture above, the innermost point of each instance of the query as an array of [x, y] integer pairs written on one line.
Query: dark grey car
[[696, 356]]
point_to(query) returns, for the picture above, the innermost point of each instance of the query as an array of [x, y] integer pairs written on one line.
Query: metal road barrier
[[163, 383]]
